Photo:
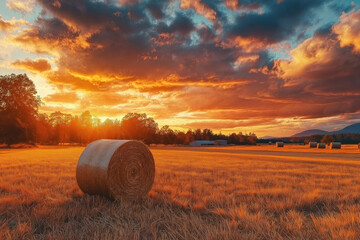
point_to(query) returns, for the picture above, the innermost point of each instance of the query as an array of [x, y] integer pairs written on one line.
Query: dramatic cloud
[[25, 6], [62, 97], [222, 64], [199, 7], [323, 66], [276, 24], [39, 65], [348, 30], [5, 25], [11, 24]]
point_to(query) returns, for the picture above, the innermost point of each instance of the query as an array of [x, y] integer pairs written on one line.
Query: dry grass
[[199, 193]]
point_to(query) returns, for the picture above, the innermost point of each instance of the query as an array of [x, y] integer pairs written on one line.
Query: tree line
[[20, 121]]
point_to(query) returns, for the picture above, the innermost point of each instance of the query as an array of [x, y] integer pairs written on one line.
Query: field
[[257, 192]]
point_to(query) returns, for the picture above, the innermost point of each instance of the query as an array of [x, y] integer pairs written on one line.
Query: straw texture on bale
[[335, 145], [321, 145], [116, 169], [279, 144], [312, 144]]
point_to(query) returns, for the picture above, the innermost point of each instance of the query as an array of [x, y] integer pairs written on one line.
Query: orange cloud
[[39, 65], [62, 97], [164, 39], [322, 63], [247, 44], [234, 5], [199, 7], [25, 6], [5, 25], [11, 24], [104, 99], [348, 30]]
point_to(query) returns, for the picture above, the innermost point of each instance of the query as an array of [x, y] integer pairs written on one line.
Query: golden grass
[[259, 192]]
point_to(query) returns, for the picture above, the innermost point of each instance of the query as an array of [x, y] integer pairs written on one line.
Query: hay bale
[[321, 145], [335, 145], [312, 144], [116, 169], [279, 144]]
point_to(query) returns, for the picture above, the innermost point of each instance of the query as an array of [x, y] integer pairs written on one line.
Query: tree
[[167, 135], [327, 139], [86, 121], [43, 128], [139, 126], [60, 123], [18, 109]]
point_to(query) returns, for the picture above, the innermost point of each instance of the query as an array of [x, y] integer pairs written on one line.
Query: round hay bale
[[116, 169], [312, 144], [321, 145], [279, 144], [335, 145]]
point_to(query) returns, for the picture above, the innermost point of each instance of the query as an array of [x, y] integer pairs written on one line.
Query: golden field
[[257, 192]]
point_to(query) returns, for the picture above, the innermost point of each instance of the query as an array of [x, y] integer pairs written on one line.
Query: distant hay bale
[[321, 145], [335, 145], [279, 144], [312, 144], [116, 169]]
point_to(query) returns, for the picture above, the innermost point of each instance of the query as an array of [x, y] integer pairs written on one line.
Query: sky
[[273, 67]]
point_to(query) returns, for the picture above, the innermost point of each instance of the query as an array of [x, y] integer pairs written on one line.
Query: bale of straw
[[279, 144], [321, 145], [335, 145], [312, 144], [116, 169]]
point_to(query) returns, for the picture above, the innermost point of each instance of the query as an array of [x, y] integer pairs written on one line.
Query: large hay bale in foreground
[[321, 145], [335, 145], [279, 144], [312, 144], [116, 169]]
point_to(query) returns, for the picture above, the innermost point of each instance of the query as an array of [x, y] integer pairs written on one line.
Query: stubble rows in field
[[199, 193]]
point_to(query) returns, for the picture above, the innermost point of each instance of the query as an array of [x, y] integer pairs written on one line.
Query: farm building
[[198, 143], [221, 142]]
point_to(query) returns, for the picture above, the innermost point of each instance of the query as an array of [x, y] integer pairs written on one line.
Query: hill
[[354, 128], [310, 133]]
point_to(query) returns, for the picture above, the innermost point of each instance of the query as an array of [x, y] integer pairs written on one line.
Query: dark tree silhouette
[[60, 124], [167, 135], [18, 109], [327, 139], [139, 126]]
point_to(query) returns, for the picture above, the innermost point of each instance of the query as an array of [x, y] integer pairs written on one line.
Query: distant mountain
[[354, 128], [311, 132]]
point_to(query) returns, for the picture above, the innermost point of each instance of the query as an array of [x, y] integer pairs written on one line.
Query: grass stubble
[[198, 193]]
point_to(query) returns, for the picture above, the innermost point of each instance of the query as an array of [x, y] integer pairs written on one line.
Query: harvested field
[[258, 192]]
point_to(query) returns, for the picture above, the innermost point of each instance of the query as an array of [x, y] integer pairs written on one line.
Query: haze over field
[[271, 67]]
